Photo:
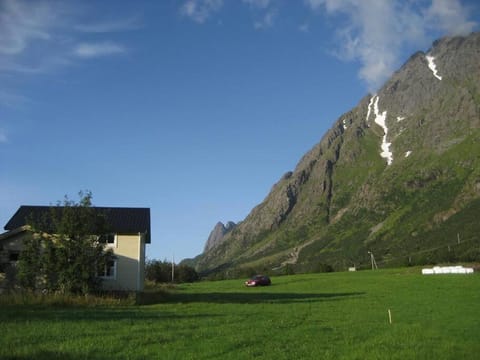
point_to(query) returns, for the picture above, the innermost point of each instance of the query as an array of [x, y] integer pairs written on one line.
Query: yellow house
[[129, 232]]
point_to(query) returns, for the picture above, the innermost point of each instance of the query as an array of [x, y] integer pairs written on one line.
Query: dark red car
[[258, 280]]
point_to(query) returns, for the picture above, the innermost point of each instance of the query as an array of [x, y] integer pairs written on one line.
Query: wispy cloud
[[375, 32], [305, 27], [265, 13], [95, 50], [449, 16], [200, 10], [42, 36], [38, 36], [22, 23], [267, 21]]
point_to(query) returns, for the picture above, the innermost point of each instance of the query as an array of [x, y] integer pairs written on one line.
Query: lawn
[[315, 316]]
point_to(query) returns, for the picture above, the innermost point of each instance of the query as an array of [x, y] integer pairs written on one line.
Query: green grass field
[[315, 316]]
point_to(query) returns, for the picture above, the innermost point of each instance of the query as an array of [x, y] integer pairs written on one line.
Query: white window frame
[[114, 275], [111, 245]]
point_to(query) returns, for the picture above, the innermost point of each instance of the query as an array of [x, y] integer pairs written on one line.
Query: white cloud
[[329, 5], [304, 28], [265, 13], [38, 36], [375, 32], [266, 21], [22, 23], [94, 50], [200, 10], [449, 16]]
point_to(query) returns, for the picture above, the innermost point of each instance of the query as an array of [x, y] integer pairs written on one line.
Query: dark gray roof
[[119, 220]]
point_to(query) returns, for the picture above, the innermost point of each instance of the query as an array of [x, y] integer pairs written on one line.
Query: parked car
[[258, 280]]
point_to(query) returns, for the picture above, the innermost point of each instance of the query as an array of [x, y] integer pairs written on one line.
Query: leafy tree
[[289, 270], [30, 263], [50, 265], [161, 272], [158, 271], [64, 253], [185, 273]]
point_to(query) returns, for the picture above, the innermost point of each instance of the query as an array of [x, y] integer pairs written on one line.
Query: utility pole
[[173, 268], [374, 263]]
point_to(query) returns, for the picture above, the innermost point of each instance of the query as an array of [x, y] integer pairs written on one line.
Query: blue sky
[[194, 108]]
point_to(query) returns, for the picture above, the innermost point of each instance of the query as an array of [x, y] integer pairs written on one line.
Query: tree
[[64, 252], [161, 272], [185, 273], [158, 271], [29, 263]]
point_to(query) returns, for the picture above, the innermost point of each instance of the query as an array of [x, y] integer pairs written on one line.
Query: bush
[[323, 268], [161, 272]]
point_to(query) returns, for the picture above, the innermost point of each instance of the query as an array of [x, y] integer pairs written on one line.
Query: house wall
[[12, 244], [129, 251], [8, 270]]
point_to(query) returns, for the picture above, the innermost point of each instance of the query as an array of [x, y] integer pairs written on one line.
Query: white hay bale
[[427, 272], [458, 269]]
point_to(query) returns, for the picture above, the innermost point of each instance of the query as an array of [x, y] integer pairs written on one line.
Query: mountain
[[398, 176], [217, 235]]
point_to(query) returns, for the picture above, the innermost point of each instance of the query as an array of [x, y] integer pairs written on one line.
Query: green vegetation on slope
[[408, 213]]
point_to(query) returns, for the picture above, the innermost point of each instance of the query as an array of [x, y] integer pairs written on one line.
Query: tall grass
[[315, 316], [23, 298]]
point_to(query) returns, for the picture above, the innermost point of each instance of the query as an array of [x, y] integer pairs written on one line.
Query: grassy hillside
[[327, 316], [419, 211]]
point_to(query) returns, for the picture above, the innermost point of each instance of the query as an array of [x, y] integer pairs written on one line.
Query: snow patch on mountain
[[380, 120], [370, 104], [432, 66]]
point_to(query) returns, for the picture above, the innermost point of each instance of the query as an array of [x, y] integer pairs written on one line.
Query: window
[[107, 239], [13, 256], [109, 271]]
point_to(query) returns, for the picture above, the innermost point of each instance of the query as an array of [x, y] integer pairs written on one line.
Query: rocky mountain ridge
[[395, 175], [217, 235]]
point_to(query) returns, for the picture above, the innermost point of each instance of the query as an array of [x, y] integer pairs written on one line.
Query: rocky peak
[[218, 233]]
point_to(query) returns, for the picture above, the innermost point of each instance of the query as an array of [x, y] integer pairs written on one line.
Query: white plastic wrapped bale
[[447, 270]]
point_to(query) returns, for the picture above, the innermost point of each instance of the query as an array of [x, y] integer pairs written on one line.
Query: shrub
[[161, 272]]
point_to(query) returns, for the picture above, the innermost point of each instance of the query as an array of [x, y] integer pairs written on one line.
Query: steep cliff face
[[217, 235], [391, 175]]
